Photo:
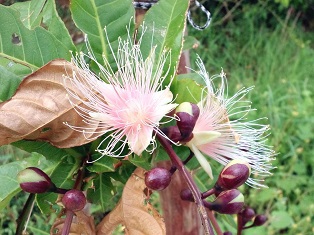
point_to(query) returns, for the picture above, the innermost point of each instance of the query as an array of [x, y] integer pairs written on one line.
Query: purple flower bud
[[259, 220], [188, 114], [248, 213], [228, 202], [157, 178], [74, 200], [186, 195], [227, 233], [34, 180], [173, 133], [233, 175]]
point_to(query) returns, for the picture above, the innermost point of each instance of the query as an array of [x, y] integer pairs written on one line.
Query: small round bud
[[233, 175], [74, 200], [228, 202], [260, 220], [227, 233], [188, 114], [186, 195], [34, 180], [157, 178], [248, 213]]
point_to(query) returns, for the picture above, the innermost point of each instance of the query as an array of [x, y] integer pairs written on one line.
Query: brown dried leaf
[[81, 224], [138, 217], [40, 107]]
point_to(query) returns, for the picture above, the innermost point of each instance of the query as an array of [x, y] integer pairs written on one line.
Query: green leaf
[[104, 164], [280, 219], [31, 48], [43, 13], [9, 186], [187, 88], [165, 23], [62, 173], [92, 16], [102, 192], [141, 161], [11, 67], [44, 148], [9, 84]]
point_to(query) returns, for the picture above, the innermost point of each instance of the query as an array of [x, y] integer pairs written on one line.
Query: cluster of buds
[[248, 215], [34, 180], [229, 200]]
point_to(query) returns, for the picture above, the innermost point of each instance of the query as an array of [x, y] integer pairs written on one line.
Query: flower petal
[[204, 137], [202, 160]]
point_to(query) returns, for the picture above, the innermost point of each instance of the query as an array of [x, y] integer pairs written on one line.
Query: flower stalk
[[192, 186]]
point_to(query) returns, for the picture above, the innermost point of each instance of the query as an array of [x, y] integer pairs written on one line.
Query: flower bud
[[157, 178], [186, 195], [228, 202], [173, 133], [74, 200], [188, 114], [233, 175], [227, 233], [259, 220], [34, 180], [247, 214]]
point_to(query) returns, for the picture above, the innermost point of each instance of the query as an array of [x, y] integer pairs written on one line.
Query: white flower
[[128, 104], [222, 137]]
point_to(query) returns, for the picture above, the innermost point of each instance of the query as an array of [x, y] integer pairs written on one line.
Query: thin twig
[[25, 215]]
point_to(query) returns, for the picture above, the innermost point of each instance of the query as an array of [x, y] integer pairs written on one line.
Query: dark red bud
[[188, 114], [186, 195], [157, 178], [228, 202], [233, 175], [74, 200], [227, 233], [248, 213], [34, 180], [173, 133], [260, 220]]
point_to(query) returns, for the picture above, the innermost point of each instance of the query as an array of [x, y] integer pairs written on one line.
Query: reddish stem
[[67, 223], [214, 222], [77, 185], [192, 186]]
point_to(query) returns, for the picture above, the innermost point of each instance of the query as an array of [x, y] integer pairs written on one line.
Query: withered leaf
[[40, 107], [81, 224], [132, 211]]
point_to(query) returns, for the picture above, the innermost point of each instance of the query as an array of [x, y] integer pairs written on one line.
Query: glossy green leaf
[[104, 164], [31, 48], [62, 174], [102, 192], [9, 186], [93, 16], [166, 24]]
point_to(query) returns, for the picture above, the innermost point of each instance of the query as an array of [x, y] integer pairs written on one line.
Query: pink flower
[[222, 136], [127, 105]]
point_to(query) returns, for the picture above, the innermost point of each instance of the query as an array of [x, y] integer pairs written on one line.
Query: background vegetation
[[268, 44]]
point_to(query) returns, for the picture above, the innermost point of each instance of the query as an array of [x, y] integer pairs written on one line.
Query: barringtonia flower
[[222, 136], [128, 104]]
